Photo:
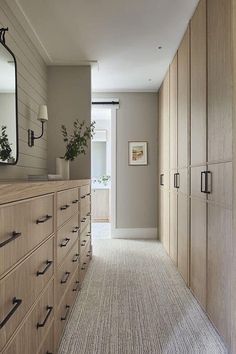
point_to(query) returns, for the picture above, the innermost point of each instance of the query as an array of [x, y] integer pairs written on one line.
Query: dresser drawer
[[20, 288], [48, 344], [66, 237], [23, 226], [34, 330], [85, 239], [67, 205], [65, 307], [84, 262], [85, 190], [84, 222], [66, 271], [85, 201]]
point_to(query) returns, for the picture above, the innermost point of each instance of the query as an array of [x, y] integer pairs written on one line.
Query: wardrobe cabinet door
[[166, 123], [173, 113], [164, 219], [183, 101], [198, 249], [183, 236], [161, 130], [173, 227], [218, 268], [198, 85], [219, 81]]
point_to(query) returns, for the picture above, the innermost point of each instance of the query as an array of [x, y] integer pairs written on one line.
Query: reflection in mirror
[[8, 106]]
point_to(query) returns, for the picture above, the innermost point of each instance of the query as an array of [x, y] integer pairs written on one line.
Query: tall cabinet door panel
[[198, 254], [161, 130], [218, 269], [219, 81], [173, 112], [198, 85], [174, 227], [183, 101], [166, 123], [183, 238]]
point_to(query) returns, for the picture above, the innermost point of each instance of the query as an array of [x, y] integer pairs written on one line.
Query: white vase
[[63, 168]]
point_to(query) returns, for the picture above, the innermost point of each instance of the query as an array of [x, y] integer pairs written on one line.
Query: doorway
[[102, 173]]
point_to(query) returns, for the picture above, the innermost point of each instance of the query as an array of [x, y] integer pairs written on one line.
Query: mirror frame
[[2, 42]]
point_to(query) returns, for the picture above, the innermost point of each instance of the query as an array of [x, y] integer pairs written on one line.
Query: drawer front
[[34, 330], [20, 289], [67, 205], [48, 344], [85, 201], [66, 237], [22, 227], [66, 271], [84, 222], [85, 239], [84, 262], [64, 309]]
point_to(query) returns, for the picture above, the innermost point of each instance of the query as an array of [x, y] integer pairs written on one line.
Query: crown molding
[[19, 13]]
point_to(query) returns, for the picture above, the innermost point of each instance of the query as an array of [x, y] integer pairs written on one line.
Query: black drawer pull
[[13, 237], [76, 258], [88, 194], [48, 265], [177, 180], [76, 229], [83, 197], [75, 201], [67, 313], [88, 214], [49, 310], [203, 189], [64, 207], [65, 242], [83, 220], [83, 244], [49, 352], [44, 219], [161, 180], [77, 288], [65, 277], [16, 302]]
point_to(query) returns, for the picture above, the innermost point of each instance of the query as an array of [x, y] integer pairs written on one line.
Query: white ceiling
[[122, 36]]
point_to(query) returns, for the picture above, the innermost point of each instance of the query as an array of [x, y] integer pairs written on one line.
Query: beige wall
[[136, 185], [32, 91], [69, 98]]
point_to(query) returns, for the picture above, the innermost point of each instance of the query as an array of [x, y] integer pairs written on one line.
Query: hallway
[[134, 301]]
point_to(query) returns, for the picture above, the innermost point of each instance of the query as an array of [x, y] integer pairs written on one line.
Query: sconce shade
[[43, 113]]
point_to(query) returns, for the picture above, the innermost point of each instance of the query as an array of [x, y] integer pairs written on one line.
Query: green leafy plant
[[5, 146], [104, 179], [77, 142]]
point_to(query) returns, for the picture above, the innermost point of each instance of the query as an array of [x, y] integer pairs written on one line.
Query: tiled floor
[[101, 231]]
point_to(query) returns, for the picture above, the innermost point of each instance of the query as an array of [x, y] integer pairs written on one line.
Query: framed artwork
[[138, 153]]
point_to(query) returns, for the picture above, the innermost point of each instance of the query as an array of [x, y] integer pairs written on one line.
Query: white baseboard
[[142, 234]]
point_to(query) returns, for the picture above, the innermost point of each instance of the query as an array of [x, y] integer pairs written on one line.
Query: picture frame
[[138, 153]]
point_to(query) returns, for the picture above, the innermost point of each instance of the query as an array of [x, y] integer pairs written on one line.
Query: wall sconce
[[42, 117]]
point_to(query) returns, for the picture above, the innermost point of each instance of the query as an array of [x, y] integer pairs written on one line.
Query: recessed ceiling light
[[160, 47], [149, 80]]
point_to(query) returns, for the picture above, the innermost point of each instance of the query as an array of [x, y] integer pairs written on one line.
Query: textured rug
[[133, 301]]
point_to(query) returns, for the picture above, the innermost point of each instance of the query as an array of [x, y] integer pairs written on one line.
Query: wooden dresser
[[45, 250]]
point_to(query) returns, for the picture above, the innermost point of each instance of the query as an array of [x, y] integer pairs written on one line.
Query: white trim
[[142, 234]]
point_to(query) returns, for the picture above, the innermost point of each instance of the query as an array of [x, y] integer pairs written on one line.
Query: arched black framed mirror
[[8, 104]]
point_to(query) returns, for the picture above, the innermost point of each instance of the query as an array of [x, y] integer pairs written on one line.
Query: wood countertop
[[11, 191]]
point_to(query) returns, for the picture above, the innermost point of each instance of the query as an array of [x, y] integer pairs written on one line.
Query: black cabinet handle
[[83, 197], [206, 180], [49, 310], [203, 179], [177, 180], [88, 194], [175, 183], [16, 302], [44, 219], [65, 277], [76, 229], [77, 288], [65, 242], [13, 237], [161, 180], [48, 265], [67, 313], [88, 214], [64, 207], [83, 220], [76, 258], [83, 243], [75, 201]]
